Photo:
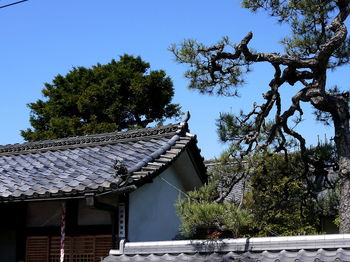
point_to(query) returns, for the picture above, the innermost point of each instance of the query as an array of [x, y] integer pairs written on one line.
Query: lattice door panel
[[37, 249], [103, 243], [77, 249]]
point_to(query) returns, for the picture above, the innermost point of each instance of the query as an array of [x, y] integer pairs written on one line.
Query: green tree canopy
[[115, 96], [318, 43], [272, 197], [203, 217], [280, 199]]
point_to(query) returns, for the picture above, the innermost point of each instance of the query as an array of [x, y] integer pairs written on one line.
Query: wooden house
[[87, 193]]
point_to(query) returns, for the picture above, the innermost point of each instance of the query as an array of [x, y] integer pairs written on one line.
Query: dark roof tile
[[76, 165]]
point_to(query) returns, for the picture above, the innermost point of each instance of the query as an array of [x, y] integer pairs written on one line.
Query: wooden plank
[[37, 249], [103, 244]]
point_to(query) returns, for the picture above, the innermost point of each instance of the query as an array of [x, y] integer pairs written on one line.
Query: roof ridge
[[86, 140], [255, 244]]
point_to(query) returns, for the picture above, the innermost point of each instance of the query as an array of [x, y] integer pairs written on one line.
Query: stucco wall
[[152, 214]]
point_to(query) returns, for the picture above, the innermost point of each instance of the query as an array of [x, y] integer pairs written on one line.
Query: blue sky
[[41, 39]]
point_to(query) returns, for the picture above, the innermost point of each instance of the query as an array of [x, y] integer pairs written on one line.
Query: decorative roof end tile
[[120, 168]]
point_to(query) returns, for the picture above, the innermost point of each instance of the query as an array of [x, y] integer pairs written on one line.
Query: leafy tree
[[318, 43], [115, 96], [278, 200], [279, 197], [203, 217]]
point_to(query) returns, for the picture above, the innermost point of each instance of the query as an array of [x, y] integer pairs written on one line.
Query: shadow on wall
[[7, 245]]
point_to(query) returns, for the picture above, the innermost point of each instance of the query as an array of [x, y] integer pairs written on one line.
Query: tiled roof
[[237, 191], [321, 248], [242, 182], [93, 163]]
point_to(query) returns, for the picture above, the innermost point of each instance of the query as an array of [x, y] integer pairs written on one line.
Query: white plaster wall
[[152, 215]]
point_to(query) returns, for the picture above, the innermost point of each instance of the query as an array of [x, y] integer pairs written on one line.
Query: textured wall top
[[325, 248], [94, 163]]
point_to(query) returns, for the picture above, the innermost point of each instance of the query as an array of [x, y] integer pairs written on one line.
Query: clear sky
[[40, 39]]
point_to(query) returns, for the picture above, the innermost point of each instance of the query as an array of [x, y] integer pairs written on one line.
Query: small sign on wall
[[121, 220]]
